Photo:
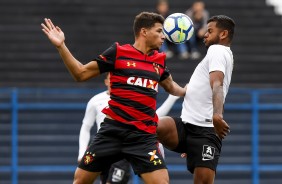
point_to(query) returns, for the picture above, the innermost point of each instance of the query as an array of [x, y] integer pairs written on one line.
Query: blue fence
[[254, 106]]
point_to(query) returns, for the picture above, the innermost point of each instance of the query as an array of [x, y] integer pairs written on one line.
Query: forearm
[[217, 98], [172, 87], [72, 64], [177, 90], [166, 106], [84, 137]]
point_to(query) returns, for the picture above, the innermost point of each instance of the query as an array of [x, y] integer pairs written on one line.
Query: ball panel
[[190, 32], [169, 24]]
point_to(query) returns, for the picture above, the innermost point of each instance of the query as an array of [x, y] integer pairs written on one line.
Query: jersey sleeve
[[165, 74], [217, 59], [106, 60]]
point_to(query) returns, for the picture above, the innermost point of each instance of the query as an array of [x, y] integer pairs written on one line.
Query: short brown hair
[[146, 20]]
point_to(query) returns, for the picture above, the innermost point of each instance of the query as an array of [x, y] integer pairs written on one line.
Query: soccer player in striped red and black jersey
[[129, 129]]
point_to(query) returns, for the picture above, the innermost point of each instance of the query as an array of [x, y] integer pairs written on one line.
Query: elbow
[[79, 77]]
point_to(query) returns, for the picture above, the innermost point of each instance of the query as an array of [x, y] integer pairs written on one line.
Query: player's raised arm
[[79, 71]]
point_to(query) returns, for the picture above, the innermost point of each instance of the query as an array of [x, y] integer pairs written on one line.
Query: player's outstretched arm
[[79, 71], [87, 124], [172, 87], [167, 105]]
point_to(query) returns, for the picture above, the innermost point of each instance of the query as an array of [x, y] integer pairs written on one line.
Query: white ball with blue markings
[[178, 28]]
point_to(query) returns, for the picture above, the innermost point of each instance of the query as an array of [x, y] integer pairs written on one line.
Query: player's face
[[212, 35], [155, 37]]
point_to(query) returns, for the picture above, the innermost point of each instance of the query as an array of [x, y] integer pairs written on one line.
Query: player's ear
[[143, 32], [223, 34]]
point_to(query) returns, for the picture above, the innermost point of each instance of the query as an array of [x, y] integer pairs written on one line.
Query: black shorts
[[116, 141], [201, 145]]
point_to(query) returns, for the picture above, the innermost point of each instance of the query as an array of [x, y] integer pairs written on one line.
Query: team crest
[[154, 158], [88, 158], [153, 155], [156, 68], [208, 152]]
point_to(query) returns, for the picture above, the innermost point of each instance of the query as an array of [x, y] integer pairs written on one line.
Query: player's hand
[[220, 126], [54, 33], [183, 155]]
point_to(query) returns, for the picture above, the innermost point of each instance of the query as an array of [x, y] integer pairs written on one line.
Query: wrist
[[218, 115], [60, 46]]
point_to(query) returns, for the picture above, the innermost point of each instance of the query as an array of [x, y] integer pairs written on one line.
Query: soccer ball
[[178, 28]]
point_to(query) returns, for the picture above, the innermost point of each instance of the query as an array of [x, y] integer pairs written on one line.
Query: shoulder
[[217, 49], [220, 54]]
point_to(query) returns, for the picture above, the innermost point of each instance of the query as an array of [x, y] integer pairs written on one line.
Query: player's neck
[[225, 43], [141, 46]]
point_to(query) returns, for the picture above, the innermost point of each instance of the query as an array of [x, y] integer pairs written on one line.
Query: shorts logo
[[154, 158], [208, 152], [159, 161], [117, 175], [153, 155], [88, 158]]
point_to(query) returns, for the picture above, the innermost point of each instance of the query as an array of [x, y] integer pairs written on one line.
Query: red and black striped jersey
[[134, 78]]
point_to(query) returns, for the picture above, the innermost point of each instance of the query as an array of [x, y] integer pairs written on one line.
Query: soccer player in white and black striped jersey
[[199, 131]]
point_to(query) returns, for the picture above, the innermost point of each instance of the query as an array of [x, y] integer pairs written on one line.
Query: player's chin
[[158, 47], [207, 44]]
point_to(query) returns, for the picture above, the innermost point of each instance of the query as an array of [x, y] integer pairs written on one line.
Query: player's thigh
[[156, 177], [84, 177], [167, 132], [204, 175], [141, 150]]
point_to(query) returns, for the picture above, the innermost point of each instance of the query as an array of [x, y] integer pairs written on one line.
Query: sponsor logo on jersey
[[88, 158], [146, 83], [208, 152]]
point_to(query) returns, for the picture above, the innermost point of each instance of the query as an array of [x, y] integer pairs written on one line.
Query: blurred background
[[41, 107]]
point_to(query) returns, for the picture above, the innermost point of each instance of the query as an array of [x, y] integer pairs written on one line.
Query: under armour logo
[[131, 64], [157, 162]]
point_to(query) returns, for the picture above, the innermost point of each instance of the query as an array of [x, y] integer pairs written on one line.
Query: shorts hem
[[149, 170], [192, 169], [86, 169]]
